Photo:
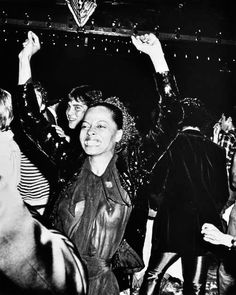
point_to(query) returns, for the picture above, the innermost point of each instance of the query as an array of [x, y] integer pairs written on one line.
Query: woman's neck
[[99, 163]]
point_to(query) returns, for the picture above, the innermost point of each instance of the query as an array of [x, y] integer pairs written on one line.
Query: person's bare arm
[[150, 44], [30, 47]]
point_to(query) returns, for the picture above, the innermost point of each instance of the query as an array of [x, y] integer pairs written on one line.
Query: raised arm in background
[[31, 46]]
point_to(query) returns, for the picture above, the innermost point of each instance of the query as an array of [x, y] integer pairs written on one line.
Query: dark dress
[[93, 213]]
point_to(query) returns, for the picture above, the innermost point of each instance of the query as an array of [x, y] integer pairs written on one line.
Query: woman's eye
[[101, 126]]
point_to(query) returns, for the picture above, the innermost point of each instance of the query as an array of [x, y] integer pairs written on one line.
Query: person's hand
[[152, 213], [216, 131], [214, 236], [150, 44], [30, 46], [61, 132], [147, 43]]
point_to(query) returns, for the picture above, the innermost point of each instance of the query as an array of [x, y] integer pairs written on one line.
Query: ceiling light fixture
[[81, 10]]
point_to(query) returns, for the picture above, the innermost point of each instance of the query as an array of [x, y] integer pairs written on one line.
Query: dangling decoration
[[81, 10]]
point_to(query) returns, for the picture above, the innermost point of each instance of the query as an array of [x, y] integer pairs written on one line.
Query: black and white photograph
[[117, 147]]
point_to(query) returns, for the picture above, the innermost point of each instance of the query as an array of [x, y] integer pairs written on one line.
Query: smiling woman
[[94, 207], [97, 207], [99, 132]]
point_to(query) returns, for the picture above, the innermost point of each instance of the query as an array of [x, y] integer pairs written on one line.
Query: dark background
[[204, 69]]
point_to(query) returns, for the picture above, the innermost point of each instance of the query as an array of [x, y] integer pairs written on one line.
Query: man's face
[[75, 112]]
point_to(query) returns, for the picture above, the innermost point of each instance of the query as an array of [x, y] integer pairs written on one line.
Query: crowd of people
[[70, 194]]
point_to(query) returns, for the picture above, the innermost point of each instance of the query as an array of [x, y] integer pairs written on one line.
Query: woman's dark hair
[[85, 93], [123, 119], [117, 115]]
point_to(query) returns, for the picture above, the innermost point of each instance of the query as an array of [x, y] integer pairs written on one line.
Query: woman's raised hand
[[30, 46], [150, 44], [147, 43]]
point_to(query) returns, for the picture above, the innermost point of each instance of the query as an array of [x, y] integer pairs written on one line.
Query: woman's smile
[[90, 142]]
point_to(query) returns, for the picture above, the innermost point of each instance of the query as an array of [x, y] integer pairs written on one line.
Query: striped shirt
[[33, 187]]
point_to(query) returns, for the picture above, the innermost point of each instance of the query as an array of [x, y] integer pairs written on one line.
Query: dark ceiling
[[199, 38], [210, 17]]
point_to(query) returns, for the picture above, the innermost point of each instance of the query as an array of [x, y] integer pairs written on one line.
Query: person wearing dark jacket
[[111, 187], [190, 188], [42, 176], [57, 150]]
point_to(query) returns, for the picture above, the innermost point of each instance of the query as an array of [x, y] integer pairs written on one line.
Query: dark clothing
[[55, 158], [194, 272], [227, 274], [67, 158], [93, 211], [190, 184], [50, 152], [95, 222], [191, 179]]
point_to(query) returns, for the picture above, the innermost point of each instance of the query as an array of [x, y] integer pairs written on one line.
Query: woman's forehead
[[99, 112]]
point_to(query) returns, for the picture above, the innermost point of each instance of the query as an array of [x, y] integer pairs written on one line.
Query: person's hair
[[117, 115], [6, 113], [195, 114], [231, 112], [85, 93], [123, 120], [40, 88]]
